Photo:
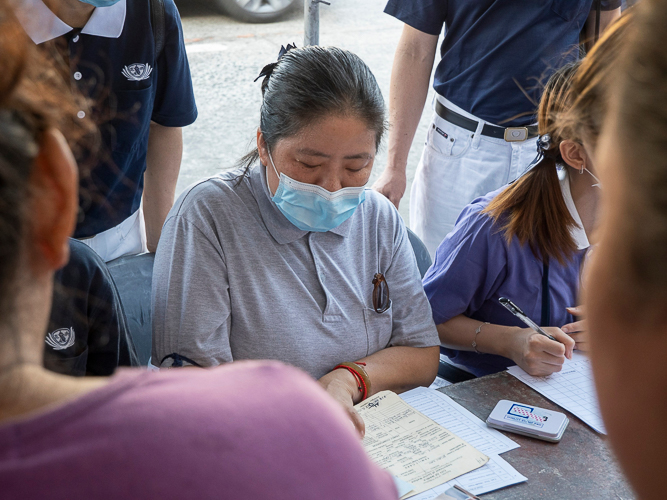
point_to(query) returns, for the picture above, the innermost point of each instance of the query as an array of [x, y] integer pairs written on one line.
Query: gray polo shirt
[[234, 279]]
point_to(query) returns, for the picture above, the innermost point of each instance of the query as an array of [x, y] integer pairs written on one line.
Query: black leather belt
[[510, 134]]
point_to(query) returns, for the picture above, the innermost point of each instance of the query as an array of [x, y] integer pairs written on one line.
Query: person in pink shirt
[[248, 430]]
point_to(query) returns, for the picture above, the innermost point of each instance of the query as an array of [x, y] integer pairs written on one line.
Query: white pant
[[456, 167], [127, 238]]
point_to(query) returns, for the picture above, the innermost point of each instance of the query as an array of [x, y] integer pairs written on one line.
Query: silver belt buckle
[[516, 134]]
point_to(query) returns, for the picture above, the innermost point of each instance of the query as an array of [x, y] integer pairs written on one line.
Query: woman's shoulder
[[475, 227], [378, 210], [216, 428], [156, 404], [209, 202], [215, 192], [210, 429], [473, 216]]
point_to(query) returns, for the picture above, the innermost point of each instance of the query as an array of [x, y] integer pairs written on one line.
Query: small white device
[[528, 420]]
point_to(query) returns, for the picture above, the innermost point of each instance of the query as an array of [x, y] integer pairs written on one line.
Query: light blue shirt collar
[[42, 25]]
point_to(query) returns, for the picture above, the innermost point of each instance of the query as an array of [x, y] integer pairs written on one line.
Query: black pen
[[514, 309]]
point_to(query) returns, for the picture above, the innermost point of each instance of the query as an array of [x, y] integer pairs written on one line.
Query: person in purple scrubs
[[526, 242]]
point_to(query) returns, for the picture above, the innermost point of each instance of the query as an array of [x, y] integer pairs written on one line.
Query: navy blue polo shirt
[[497, 54], [88, 333], [128, 88]]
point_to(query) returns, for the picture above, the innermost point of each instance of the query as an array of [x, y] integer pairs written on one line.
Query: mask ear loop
[[598, 184], [274, 169]]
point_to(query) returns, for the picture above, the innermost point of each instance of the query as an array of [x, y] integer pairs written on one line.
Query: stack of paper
[[412, 446], [496, 474], [572, 388]]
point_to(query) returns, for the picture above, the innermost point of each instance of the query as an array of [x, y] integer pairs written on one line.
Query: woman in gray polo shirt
[[291, 258]]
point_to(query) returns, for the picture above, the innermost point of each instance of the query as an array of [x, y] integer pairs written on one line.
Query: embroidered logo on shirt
[[137, 72], [61, 338]]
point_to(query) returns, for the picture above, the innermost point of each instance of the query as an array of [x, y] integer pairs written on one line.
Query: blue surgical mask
[[101, 3], [313, 208]]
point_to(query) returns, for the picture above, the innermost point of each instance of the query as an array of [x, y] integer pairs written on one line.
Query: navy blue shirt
[[497, 54], [87, 334], [128, 88]]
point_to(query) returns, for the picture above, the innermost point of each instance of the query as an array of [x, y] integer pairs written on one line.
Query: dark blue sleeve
[[86, 303], [174, 104], [470, 264], [427, 16], [109, 337]]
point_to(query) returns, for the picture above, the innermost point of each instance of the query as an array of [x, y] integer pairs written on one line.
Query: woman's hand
[[537, 354], [578, 330], [342, 386]]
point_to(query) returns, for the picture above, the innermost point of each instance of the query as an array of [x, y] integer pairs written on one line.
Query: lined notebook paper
[[572, 388]]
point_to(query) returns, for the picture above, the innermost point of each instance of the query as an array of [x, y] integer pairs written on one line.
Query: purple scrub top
[[475, 266]]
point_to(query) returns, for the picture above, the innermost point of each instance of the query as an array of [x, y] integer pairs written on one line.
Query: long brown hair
[[532, 209]]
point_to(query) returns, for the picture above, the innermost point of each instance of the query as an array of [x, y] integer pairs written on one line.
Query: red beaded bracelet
[[360, 375]]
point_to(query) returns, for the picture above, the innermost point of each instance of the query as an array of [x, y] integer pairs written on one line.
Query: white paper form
[[413, 447], [572, 388], [496, 474], [454, 417]]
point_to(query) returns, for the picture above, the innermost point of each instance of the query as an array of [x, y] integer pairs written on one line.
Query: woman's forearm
[[400, 368], [460, 332], [396, 369]]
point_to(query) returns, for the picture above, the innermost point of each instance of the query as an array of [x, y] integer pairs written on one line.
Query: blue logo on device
[[525, 415], [520, 411]]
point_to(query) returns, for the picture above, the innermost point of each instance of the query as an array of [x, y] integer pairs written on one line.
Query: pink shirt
[[247, 430]]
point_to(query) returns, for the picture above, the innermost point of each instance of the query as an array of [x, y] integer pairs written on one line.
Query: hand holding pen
[[538, 350]]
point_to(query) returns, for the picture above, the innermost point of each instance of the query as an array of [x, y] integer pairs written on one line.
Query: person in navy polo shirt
[[494, 58], [87, 332], [141, 99]]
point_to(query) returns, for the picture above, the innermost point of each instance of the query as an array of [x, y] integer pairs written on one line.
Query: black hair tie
[[267, 70]]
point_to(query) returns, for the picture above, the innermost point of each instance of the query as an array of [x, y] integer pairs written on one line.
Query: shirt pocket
[[448, 140], [131, 111], [379, 327], [568, 10]]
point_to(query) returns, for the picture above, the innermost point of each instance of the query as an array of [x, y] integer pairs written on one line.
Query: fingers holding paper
[[578, 330]]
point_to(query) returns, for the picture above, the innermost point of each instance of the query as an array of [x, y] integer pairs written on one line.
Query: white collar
[[578, 233], [42, 25]]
